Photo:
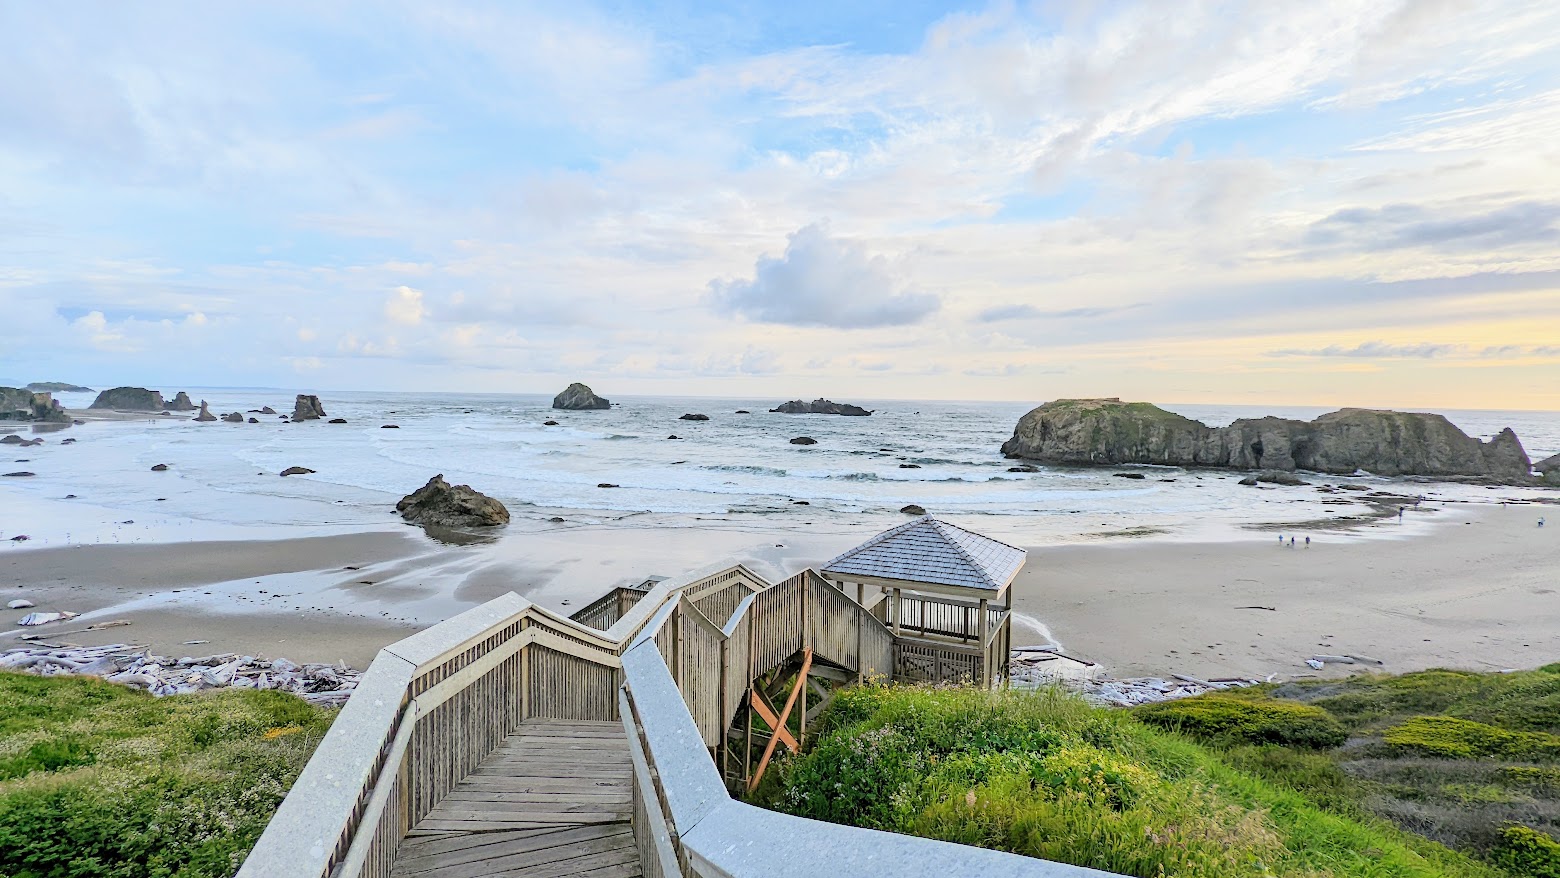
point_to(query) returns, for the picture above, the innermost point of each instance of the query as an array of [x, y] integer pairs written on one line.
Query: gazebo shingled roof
[[932, 556]]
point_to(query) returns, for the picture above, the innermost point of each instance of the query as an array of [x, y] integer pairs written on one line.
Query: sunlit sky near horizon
[[1330, 203]]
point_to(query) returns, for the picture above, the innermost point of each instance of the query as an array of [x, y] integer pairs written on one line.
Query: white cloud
[[823, 281], [405, 306]]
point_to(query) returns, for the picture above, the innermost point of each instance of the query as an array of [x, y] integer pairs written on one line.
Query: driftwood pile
[[161, 675], [1146, 690]]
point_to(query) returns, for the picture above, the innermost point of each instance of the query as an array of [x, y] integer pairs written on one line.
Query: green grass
[[1046, 775], [1244, 717], [101, 781]]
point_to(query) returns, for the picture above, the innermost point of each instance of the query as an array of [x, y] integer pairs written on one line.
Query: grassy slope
[[101, 780], [1046, 775]]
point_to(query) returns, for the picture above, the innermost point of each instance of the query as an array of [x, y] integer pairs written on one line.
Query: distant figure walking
[[1540, 521], [1308, 542], [1280, 539], [1291, 542], [1400, 513]]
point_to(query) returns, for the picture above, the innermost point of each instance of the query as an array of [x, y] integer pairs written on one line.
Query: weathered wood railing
[[938, 617], [612, 606]]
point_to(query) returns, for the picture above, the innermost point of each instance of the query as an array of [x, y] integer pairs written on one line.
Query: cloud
[[1416, 225], [1425, 350], [405, 306], [1002, 313], [823, 281]]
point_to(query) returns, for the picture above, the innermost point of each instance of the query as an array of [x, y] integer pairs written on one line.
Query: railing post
[[861, 627], [985, 648], [725, 673]]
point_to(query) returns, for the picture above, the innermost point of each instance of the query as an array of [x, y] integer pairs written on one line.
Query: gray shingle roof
[[934, 552]]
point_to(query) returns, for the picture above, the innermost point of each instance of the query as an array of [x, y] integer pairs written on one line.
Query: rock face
[[57, 387], [578, 397], [441, 504], [820, 407], [1549, 468], [1112, 432], [25, 405], [205, 413], [130, 399], [307, 408], [181, 403]]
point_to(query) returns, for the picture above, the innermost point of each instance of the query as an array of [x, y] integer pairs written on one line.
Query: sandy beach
[[1481, 590]]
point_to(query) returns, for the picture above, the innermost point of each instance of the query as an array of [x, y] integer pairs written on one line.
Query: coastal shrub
[[102, 781], [1247, 719], [1521, 701], [1449, 737], [1527, 852], [1046, 775]]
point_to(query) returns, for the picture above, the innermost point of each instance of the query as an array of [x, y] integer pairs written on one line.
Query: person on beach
[[1308, 542]]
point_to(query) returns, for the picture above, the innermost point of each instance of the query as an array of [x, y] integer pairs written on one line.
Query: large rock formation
[[181, 403], [820, 407], [441, 504], [579, 397], [1111, 432], [1549, 468], [24, 405], [57, 387], [129, 399], [307, 408], [205, 413]]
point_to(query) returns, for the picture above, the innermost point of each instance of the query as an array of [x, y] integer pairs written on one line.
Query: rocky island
[[181, 403], [1109, 432], [821, 407], [129, 399], [57, 387], [578, 397], [440, 504], [306, 407], [17, 404]]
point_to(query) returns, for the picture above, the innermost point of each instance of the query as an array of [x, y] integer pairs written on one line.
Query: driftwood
[[161, 675]]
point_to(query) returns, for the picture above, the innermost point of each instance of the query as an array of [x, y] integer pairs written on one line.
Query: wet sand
[[1481, 591]]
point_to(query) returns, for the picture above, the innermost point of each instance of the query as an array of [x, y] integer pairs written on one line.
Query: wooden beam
[[767, 714], [769, 749]]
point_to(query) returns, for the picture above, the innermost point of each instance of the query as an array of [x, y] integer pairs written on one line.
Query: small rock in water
[[556, 519], [804, 440], [1023, 468], [743, 412], [1129, 475], [606, 485], [389, 426], [297, 471], [913, 509], [336, 421], [909, 466], [549, 423], [674, 436], [20, 538], [19, 474], [694, 417], [160, 468]]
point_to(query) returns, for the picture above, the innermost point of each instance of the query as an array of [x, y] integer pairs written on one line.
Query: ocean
[[734, 469]]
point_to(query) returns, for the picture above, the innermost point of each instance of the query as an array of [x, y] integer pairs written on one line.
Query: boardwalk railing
[[433, 706]]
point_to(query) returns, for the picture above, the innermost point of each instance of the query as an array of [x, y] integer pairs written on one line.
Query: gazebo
[[944, 595]]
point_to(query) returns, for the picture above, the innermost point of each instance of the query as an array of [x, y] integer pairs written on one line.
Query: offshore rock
[[130, 399], [821, 407], [233, 418], [694, 417], [205, 413], [804, 440], [26, 405], [578, 397], [1109, 432], [441, 504], [307, 408], [57, 387], [181, 403], [1549, 469]]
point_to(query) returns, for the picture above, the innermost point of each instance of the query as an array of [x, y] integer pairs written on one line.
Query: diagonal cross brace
[[779, 723]]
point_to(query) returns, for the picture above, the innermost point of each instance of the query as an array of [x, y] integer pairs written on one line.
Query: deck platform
[[554, 799]]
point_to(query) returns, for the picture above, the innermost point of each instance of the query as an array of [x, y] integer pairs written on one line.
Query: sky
[[1327, 202]]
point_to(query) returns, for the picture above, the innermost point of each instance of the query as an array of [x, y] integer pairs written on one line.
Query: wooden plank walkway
[[554, 799]]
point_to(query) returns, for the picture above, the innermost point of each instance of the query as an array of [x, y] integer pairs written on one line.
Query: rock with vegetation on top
[[307, 408], [1111, 432], [820, 407], [205, 413], [57, 387], [578, 397], [181, 403], [129, 399], [27, 405], [441, 504]]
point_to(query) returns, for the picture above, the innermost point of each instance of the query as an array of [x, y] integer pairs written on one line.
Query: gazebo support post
[[985, 650], [897, 598], [861, 601]]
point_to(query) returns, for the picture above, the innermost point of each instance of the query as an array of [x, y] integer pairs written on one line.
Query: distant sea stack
[[578, 397], [129, 399], [1109, 432], [181, 403], [57, 387], [307, 408], [17, 404], [821, 407]]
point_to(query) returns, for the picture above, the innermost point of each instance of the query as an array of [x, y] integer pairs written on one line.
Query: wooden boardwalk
[[554, 799]]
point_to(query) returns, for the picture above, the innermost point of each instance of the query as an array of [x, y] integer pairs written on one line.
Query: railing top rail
[[742, 609], [434, 644], [626, 629]]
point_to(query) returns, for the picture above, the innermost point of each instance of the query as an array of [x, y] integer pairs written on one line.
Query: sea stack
[[441, 504], [821, 407], [307, 408], [25, 405], [181, 403], [578, 397], [1109, 432], [129, 399], [205, 413]]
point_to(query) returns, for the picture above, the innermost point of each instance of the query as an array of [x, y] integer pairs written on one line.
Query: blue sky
[[1330, 203]]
